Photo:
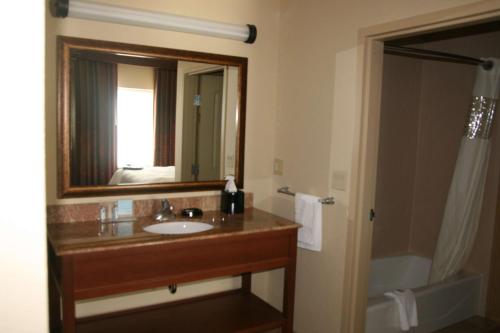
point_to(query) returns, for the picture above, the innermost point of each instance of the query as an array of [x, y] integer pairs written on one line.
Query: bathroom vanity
[[90, 259]]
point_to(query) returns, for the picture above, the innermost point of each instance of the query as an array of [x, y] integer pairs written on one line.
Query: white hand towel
[[308, 212], [407, 308]]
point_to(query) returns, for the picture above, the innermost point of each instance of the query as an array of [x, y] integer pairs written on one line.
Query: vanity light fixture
[[115, 14]]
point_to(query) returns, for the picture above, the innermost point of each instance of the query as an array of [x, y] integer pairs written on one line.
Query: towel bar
[[326, 201]]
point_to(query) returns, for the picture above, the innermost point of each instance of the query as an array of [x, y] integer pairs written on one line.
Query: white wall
[[23, 271]]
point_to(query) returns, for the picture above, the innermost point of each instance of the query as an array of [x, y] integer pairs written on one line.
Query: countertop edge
[[156, 240]]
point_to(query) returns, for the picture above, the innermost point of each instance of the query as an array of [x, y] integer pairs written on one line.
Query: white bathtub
[[439, 305]]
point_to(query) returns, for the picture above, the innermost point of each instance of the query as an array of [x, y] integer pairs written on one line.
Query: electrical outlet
[[278, 167]]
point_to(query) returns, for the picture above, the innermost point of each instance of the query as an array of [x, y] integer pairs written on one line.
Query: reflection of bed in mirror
[[146, 175]]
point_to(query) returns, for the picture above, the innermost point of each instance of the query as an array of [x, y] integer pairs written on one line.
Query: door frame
[[363, 179]]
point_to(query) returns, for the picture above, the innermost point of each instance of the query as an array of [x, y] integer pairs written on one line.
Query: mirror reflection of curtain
[[164, 113], [93, 121]]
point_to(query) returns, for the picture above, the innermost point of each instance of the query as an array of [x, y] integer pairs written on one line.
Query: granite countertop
[[93, 236]]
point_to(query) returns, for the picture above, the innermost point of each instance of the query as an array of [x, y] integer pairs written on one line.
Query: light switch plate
[[339, 180], [278, 167]]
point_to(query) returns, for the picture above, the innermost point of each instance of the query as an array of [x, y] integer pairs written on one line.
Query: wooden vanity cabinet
[[89, 274]]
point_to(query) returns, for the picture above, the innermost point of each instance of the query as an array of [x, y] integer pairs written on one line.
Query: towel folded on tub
[[407, 308]]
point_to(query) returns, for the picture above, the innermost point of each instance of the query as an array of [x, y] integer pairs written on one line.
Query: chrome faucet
[[166, 212]]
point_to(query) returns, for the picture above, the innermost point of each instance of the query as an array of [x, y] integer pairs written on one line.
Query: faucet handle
[[165, 204]]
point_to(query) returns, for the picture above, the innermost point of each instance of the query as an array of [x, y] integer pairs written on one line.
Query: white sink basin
[[178, 227]]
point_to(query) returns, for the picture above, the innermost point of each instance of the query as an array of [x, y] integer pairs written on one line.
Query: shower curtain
[[465, 196]]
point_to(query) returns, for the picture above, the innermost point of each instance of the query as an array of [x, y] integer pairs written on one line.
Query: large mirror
[[140, 119]]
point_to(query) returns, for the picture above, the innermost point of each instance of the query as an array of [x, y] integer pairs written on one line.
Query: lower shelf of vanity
[[232, 311]]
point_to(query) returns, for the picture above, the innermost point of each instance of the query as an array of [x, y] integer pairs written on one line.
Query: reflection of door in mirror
[[209, 122], [202, 126]]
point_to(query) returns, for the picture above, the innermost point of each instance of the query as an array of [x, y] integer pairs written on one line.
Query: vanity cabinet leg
[[54, 304], [68, 299], [246, 282], [289, 286]]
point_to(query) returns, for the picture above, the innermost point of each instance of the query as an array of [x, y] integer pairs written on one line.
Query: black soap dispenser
[[232, 200]]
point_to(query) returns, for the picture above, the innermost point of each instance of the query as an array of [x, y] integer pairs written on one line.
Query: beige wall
[[137, 77], [397, 155], [424, 105], [314, 132], [444, 104], [23, 269], [301, 108]]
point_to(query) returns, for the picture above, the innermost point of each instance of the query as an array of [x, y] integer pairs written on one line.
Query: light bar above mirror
[[143, 18]]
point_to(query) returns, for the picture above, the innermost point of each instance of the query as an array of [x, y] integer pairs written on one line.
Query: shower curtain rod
[[436, 55]]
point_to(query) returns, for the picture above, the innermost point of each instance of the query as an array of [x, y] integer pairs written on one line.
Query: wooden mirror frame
[[64, 47]]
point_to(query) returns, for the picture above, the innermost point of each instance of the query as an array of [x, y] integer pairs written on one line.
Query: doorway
[[364, 175], [202, 128], [427, 89]]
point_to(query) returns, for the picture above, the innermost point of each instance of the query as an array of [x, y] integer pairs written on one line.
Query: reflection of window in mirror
[[134, 116], [145, 119]]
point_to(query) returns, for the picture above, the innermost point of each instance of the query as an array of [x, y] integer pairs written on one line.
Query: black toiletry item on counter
[[191, 212], [232, 202]]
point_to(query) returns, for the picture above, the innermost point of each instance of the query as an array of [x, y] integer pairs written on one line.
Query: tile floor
[[473, 325]]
